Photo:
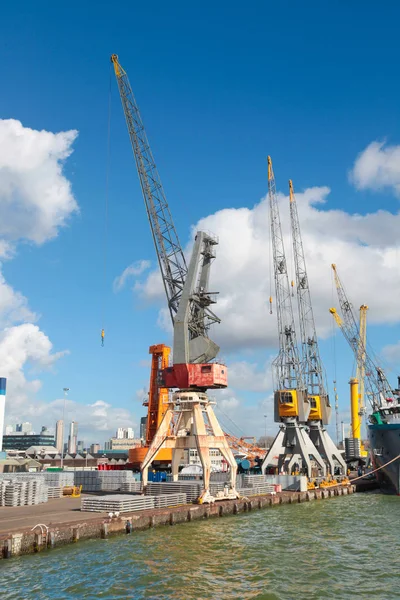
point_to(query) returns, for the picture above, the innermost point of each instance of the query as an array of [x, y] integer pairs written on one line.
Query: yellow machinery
[[357, 384], [72, 491]]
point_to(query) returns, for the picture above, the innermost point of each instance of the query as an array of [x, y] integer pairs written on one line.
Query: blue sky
[[219, 88]]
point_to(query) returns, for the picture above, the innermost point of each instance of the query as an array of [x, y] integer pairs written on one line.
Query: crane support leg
[[183, 428], [292, 445], [224, 447], [327, 449], [156, 445]]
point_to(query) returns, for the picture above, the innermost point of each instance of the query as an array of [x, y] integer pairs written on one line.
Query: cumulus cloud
[[241, 416], [21, 346], [244, 375], [135, 269], [391, 353], [35, 196], [26, 346], [35, 201], [377, 167], [358, 244]]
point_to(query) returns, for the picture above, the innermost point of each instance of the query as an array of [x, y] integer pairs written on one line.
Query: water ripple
[[338, 549]]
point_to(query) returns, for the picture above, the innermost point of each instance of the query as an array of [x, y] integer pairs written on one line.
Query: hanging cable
[[108, 161], [269, 258]]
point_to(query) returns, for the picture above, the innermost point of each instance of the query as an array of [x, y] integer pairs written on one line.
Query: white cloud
[[96, 422], [244, 375], [240, 416], [22, 346], [35, 196], [35, 201], [365, 248], [392, 353], [135, 269], [377, 167]]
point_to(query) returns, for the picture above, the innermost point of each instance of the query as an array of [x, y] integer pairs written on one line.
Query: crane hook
[[102, 337]]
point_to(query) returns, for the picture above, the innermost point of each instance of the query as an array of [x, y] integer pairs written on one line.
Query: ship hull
[[385, 446]]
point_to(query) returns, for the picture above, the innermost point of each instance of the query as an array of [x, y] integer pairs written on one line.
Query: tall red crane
[[189, 300]]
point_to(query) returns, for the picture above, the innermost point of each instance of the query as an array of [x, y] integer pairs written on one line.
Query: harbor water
[[342, 548]]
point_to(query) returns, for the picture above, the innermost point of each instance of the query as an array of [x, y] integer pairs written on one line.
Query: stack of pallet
[[254, 485], [21, 493], [59, 478], [192, 489], [55, 491], [167, 500], [116, 503], [128, 503], [131, 486], [102, 481]]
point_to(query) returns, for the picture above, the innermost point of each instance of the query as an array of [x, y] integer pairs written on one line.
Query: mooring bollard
[[7, 548], [104, 530]]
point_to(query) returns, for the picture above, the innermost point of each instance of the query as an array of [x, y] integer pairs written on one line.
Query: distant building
[[9, 429], [24, 427], [59, 435], [143, 427], [19, 441], [125, 433], [94, 448], [80, 446], [122, 444], [73, 437], [217, 460]]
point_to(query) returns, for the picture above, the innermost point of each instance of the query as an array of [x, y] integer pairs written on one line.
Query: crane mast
[[287, 364], [312, 365], [292, 449], [360, 374]]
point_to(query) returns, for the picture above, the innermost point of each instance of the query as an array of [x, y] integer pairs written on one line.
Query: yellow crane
[[357, 338]]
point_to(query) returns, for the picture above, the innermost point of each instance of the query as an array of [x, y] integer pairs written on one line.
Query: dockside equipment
[[189, 420]]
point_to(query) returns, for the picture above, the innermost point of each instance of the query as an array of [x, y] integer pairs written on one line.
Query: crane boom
[[376, 382], [287, 363], [168, 248]]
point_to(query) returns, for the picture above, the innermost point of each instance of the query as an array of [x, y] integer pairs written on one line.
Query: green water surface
[[342, 548]]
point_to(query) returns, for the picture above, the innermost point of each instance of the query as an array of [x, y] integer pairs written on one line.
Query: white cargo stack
[[116, 503], [23, 491], [128, 503], [59, 478], [131, 486], [102, 481]]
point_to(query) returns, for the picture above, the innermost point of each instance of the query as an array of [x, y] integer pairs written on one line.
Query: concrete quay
[[30, 529]]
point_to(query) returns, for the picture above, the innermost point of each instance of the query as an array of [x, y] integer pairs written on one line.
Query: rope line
[[378, 469], [106, 202]]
